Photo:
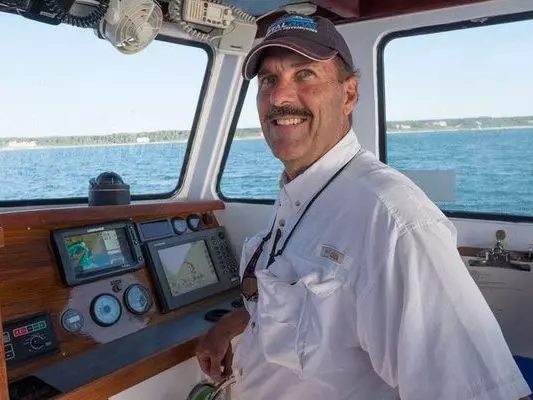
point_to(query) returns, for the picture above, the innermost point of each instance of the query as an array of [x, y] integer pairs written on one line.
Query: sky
[[62, 80]]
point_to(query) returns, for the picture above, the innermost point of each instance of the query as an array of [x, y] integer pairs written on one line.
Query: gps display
[[98, 250], [90, 252], [190, 267], [187, 267]]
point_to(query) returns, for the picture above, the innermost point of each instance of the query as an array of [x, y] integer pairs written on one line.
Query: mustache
[[285, 111]]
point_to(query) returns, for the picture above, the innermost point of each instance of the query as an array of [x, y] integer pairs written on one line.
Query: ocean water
[[494, 168]]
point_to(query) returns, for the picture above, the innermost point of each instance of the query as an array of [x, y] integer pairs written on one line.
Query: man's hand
[[214, 351], [215, 355]]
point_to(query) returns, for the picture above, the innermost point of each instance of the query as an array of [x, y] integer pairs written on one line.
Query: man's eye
[[305, 73], [267, 81]]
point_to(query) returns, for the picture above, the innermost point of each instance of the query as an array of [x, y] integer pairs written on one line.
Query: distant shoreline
[[389, 132], [70, 146], [458, 129]]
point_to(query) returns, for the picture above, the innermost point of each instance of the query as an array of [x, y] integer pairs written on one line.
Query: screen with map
[[98, 250], [187, 267]]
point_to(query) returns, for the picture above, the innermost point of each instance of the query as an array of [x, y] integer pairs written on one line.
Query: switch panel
[[29, 337]]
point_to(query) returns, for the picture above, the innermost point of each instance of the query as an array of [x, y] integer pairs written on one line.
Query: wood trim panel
[[73, 344], [87, 215], [343, 8], [346, 11], [466, 251], [3, 371], [370, 9], [125, 378], [31, 282], [469, 251]]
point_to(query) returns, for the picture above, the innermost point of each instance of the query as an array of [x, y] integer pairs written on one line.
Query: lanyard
[[273, 252]]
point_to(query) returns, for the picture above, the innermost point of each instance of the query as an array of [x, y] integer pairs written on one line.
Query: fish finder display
[[90, 252], [187, 267], [97, 250]]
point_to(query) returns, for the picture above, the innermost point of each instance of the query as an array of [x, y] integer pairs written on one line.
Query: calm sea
[[494, 168]]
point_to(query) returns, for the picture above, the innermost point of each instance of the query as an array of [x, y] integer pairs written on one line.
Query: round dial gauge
[[72, 321], [194, 222], [137, 299], [106, 310], [179, 225]]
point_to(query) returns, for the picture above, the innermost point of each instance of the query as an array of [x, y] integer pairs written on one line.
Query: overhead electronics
[[191, 267], [91, 252], [131, 25], [55, 12], [210, 20], [207, 13]]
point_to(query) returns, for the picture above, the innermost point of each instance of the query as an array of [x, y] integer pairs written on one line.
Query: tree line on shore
[[241, 133], [460, 123]]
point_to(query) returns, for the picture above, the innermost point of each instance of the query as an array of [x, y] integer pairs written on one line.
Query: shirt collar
[[300, 190]]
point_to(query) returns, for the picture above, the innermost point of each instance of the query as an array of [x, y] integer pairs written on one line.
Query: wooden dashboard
[[98, 361]]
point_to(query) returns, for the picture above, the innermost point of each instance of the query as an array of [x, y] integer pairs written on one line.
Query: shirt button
[[282, 222], [253, 324], [297, 203]]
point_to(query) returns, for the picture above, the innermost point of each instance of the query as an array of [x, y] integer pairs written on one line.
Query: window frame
[[179, 184], [227, 148], [381, 100]]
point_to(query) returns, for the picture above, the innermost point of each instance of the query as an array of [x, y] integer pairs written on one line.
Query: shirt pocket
[[282, 320], [290, 313]]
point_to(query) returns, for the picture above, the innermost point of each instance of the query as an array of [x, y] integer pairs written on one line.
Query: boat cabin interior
[[134, 168]]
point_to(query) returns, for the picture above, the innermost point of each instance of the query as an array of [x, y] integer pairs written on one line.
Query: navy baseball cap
[[313, 37]]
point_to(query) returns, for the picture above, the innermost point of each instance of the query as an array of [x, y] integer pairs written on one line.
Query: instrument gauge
[[179, 225], [137, 299], [194, 222], [106, 310], [72, 321]]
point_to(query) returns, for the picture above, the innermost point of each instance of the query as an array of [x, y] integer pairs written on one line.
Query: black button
[[215, 315]]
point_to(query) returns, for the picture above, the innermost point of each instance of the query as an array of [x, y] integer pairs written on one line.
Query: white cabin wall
[[243, 220]]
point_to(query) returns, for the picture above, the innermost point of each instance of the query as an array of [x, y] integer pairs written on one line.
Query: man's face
[[303, 107]]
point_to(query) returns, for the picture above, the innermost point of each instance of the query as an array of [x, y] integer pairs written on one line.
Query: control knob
[[37, 342]]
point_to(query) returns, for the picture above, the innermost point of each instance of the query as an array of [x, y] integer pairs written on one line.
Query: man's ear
[[351, 94]]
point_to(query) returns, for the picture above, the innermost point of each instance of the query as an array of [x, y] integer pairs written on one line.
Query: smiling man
[[355, 290]]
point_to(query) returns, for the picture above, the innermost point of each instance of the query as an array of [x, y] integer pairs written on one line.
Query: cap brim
[[318, 53]]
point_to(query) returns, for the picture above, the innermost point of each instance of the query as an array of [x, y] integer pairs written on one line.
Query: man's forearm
[[233, 324]]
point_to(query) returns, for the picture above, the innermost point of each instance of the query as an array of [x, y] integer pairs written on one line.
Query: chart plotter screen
[[187, 267], [98, 250]]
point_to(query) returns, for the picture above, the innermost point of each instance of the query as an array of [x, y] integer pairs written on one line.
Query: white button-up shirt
[[370, 299]]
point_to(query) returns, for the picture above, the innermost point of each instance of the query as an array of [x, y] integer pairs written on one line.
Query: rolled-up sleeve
[[427, 328]]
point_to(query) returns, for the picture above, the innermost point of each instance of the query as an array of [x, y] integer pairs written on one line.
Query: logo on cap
[[293, 22]]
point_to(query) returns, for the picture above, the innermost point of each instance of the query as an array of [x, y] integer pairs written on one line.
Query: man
[[356, 290]]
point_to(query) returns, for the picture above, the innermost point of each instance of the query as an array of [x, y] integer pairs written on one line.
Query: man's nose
[[285, 92]]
